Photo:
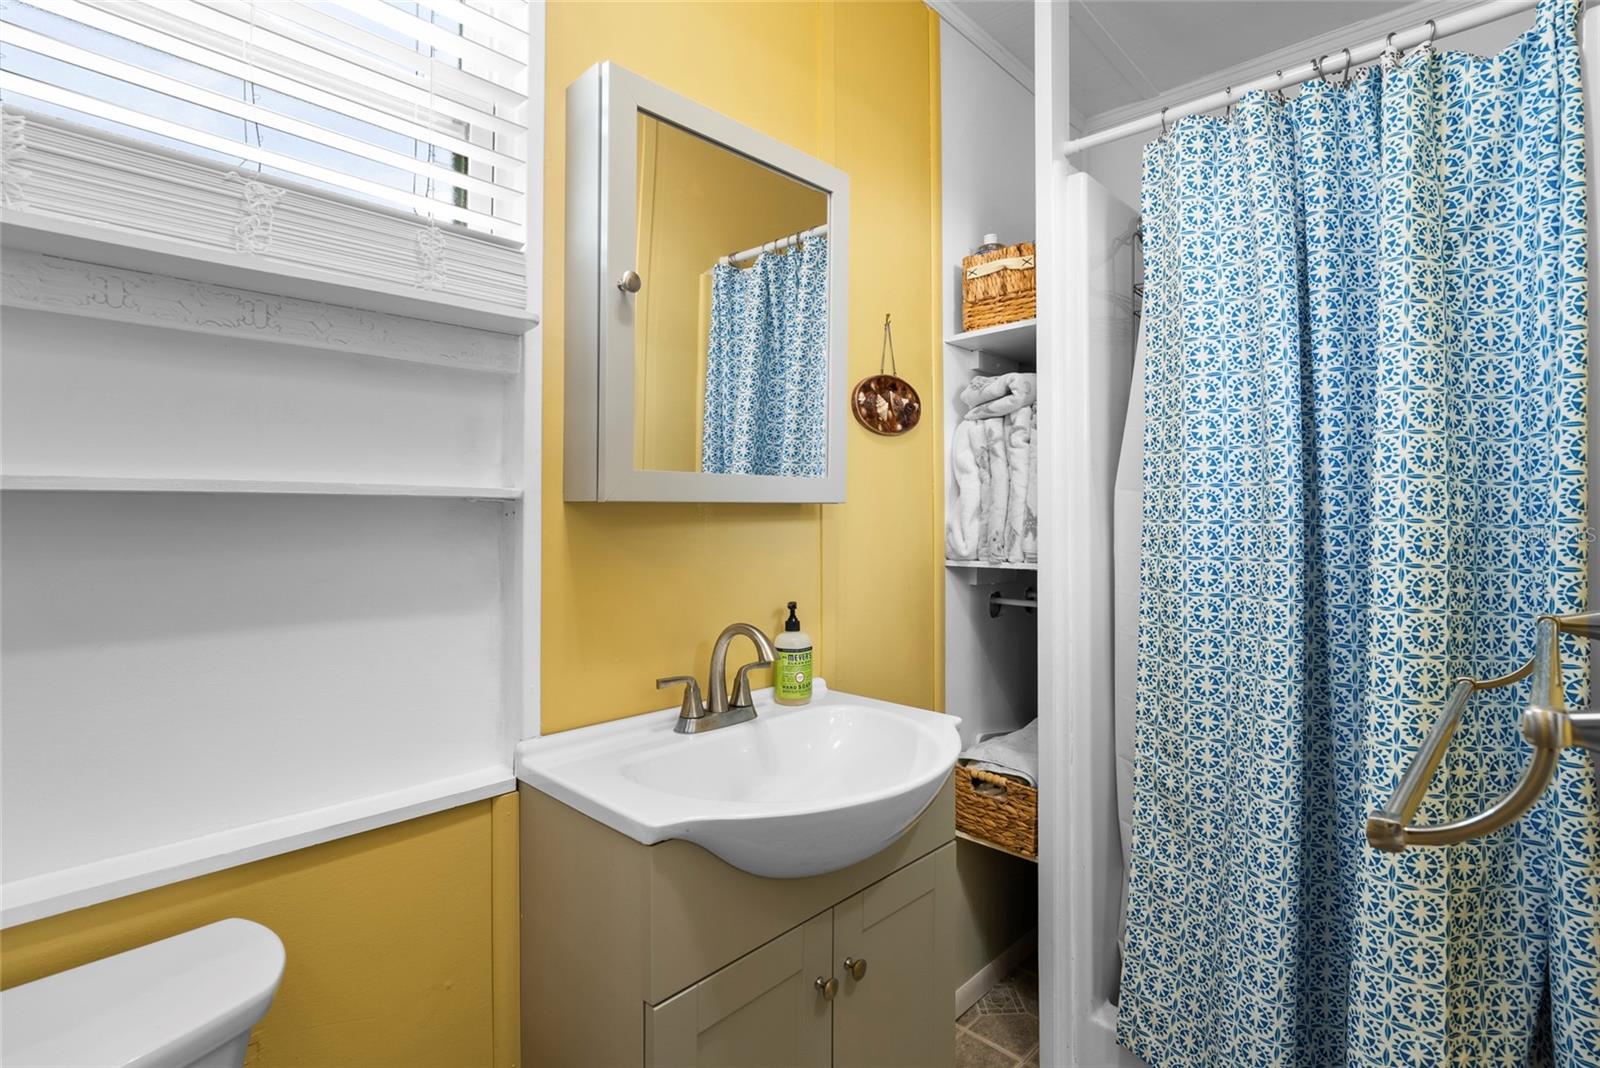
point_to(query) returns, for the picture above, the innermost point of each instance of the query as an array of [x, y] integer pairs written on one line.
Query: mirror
[[705, 354], [730, 334]]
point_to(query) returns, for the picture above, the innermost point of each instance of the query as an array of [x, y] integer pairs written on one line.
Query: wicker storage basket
[[998, 809], [998, 287]]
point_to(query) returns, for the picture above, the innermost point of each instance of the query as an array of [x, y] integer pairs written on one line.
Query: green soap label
[[793, 677]]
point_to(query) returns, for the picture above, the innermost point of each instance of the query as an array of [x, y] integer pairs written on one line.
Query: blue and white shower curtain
[[1365, 475], [767, 366]]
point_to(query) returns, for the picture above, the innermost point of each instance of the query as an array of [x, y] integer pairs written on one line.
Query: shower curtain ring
[[1316, 65], [1433, 31], [1227, 113], [1163, 123], [1278, 92], [1391, 54], [1349, 61]]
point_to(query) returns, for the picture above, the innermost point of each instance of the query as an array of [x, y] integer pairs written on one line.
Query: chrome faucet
[[694, 717]]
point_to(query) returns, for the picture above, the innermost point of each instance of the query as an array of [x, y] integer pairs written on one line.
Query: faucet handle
[[741, 683], [693, 706]]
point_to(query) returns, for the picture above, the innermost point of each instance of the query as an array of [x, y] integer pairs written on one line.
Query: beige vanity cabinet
[[763, 1009], [899, 1012], [858, 987], [665, 956]]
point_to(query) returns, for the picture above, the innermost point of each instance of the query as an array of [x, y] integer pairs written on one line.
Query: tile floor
[[1002, 1029]]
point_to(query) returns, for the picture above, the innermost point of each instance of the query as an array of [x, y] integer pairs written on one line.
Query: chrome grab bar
[[1546, 723]]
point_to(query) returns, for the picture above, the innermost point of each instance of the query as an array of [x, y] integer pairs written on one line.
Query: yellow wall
[[697, 201], [401, 942], [633, 591]]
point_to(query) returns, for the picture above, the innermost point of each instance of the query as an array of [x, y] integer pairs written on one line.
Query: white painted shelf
[[96, 484], [979, 573], [996, 846], [73, 888], [1009, 341], [127, 249]]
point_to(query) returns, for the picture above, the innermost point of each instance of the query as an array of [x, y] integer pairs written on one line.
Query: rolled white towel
[[998, 492], [1019, 433], [980, 454], [991, 397], [982, 388], [1030, 515], [964, 527]]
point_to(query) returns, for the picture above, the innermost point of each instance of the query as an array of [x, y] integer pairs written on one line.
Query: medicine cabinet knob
[[630, 282], [828, 987], [856, 967]]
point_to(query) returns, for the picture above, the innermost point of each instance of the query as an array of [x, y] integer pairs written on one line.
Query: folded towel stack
[[994, 456]]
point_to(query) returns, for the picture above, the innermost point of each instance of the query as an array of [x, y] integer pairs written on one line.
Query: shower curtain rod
[[1332, 63], [774, 246]]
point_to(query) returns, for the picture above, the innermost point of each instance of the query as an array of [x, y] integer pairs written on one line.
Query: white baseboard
[[968, 993]]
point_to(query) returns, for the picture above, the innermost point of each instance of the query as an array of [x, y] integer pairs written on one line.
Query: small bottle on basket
[[991, 243], [791, 678]]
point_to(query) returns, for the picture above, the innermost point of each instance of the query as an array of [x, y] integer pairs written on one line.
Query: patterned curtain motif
[[1365, 475], [767, 366]]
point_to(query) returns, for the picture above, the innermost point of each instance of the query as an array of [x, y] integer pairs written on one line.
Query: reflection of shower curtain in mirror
[[767, 366]]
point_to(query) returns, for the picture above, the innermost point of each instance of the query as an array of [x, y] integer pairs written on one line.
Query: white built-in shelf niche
[[1014, 343], [270, 572]]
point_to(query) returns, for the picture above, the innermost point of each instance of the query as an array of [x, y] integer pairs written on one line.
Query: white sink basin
[[796, 791]]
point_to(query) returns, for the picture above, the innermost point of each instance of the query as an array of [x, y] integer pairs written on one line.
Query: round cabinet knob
[[857, 967], [827, 987], [630, 282]]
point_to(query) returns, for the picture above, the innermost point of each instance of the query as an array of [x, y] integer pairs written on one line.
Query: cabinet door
[[898, 1013], [762, 1011]]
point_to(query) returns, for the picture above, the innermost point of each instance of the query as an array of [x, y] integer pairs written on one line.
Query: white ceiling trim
[[1075, 122], [1322, 45], [1002, 56]]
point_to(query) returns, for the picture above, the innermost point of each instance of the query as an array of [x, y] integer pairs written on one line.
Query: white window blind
[[417, 106]]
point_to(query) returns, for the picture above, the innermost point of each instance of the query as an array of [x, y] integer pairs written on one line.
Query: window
[[418, 107]]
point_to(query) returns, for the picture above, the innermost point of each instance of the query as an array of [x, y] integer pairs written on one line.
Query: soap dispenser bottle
[[792, 675]]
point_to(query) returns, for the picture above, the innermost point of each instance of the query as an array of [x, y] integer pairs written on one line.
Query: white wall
[[177, 665], [97, 398], [1117, 166], [987, 147]]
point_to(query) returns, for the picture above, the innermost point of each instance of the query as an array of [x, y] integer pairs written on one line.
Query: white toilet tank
[[185, 1002]]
